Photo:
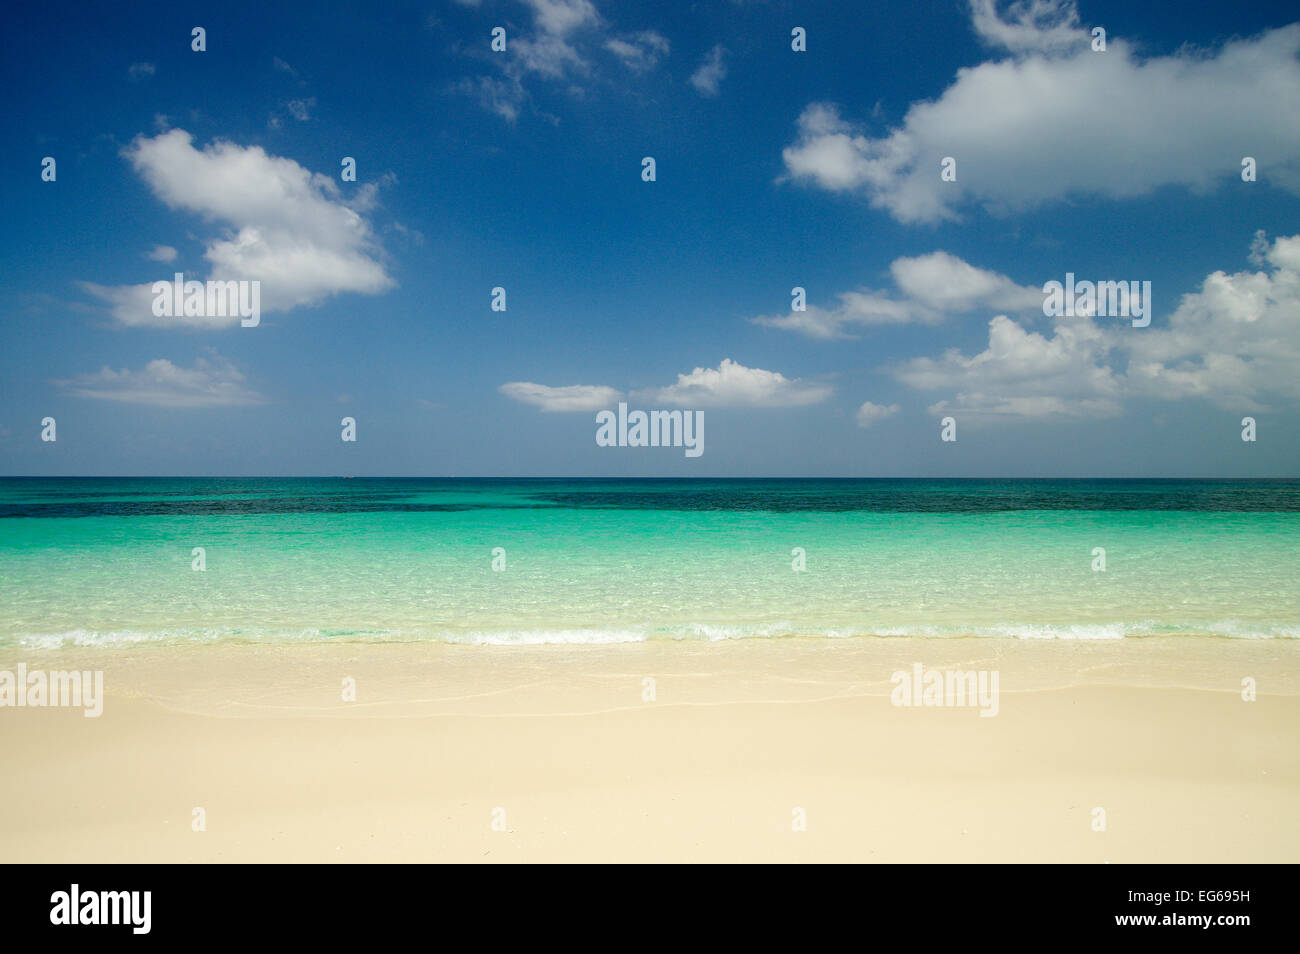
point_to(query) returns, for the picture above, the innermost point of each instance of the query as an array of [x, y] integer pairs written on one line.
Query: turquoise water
[[108, 561]]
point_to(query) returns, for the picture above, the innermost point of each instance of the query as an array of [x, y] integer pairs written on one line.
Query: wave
[[688, 632]]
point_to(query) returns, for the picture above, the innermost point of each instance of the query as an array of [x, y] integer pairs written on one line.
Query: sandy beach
[[750, 750]]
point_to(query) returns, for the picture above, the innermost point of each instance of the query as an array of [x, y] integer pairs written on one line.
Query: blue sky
[[774, 169]]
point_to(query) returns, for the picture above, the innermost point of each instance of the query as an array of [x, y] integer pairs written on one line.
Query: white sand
[[739, 736]]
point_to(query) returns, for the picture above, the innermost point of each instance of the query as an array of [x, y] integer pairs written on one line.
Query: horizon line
[[609, 477]]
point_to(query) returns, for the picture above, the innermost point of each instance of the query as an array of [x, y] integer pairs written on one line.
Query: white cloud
[[551, 55], [946, 283], [711, 73], [827, 152], [284, 226], [930, 287], [1234, 343], [561, 17], [639, 51], [869, 413], [212, 382], [139, 71], [548, 51], [563, 47], [856, 308], [161, 253], [1056, 119], [573, 397], [728, 385], [1024, 374], [1029, 25], [734, 385]]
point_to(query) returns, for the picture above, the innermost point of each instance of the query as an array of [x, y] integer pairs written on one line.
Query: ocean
[[112, 561]]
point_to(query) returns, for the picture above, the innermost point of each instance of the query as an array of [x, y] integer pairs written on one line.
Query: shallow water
[[108, 561]]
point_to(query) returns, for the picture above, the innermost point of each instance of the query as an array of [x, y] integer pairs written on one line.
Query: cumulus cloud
[[1055, 119], [929, 288], [1024, 374], [161, 253], [284, 226], [869, 413], [946, 283], [1234, 343], [728, 385], [573, 397], [734, 385], [711, 73], [212, 382]]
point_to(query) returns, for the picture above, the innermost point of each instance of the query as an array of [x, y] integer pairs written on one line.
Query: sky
[[775, 168]]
